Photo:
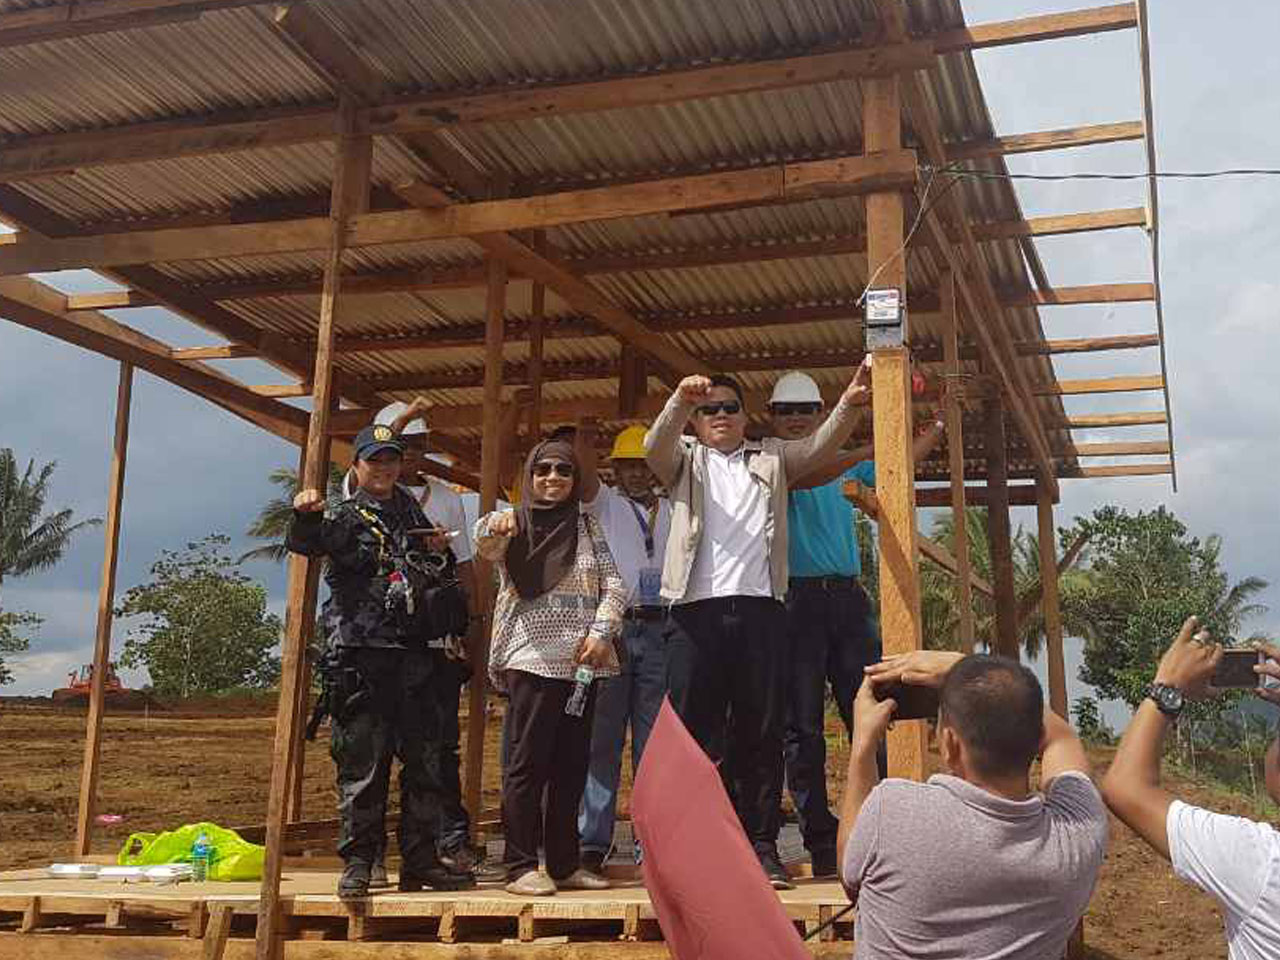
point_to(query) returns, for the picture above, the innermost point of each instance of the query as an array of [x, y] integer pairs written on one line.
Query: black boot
[[438, 877], [354, 882]]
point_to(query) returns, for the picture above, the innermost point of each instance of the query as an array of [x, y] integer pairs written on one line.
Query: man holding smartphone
[[1234, 859]]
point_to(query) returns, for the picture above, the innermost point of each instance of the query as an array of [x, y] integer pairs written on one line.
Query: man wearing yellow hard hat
[[636, 522]]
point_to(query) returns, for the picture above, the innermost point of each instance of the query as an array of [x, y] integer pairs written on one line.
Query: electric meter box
[[884, 319]]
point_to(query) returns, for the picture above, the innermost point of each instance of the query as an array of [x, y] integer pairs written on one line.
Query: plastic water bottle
[[200, 851], [582, 678]]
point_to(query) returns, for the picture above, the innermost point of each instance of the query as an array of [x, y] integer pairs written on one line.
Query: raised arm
[[662, 442], [493, 534], [1131, 787], [311, 534], [813, 452], [844, 461], [871, 720], [419, 408], [1061, 751]]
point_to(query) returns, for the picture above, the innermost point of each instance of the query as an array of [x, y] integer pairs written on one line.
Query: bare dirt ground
[[179, 766]]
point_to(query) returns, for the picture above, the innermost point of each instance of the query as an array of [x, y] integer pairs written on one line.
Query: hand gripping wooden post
[[900, 621], [106, 599], [350, 182]]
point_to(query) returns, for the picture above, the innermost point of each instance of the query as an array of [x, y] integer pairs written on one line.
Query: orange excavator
[[79, 682]]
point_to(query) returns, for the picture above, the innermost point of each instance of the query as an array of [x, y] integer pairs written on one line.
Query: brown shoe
[[532, 883]]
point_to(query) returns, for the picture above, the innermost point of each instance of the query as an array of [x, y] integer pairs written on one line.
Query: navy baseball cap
[[376, 438]]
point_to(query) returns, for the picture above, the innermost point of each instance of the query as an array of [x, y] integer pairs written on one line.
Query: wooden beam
[[852, 175], [975, 495], [1122, 449], [491, 465], [932, 550], [109, 300], [1132, 470], [106, 604], [900, 617], [226, 351], [1089, 344], [999, 534], [955, 458], [76, 18], [350, 192], [1068, 388], [1061, 224], [1049, 26], [1100, 421], [537, 344], [1094, 293], [1041, 140], [281, 390], [1050, 607]]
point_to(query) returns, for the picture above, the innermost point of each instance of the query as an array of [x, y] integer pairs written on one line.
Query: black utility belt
[[824, 584], [645, 613]]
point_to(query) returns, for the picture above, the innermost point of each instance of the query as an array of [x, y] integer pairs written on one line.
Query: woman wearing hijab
[[560, 605]]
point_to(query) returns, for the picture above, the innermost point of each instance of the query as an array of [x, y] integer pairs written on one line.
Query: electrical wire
[[954, 169]]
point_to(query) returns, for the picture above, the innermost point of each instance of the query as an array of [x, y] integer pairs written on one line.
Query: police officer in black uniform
[[387, 602]]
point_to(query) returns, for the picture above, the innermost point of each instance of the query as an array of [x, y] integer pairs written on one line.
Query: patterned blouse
[[542, 636]]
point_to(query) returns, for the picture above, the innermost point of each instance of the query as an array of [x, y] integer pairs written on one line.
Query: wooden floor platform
[[65, 918]]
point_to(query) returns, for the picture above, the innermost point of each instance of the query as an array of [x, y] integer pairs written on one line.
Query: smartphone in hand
[[1235, 669]]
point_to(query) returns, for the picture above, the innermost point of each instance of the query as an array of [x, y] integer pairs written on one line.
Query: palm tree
[[273, 519], [1232, 603], [30, 541], [938, 588]]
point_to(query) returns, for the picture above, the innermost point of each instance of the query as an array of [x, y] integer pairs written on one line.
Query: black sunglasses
[[726, 406], [794, 409], [544, 468]]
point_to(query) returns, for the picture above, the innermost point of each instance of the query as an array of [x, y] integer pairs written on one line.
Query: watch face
[[1170, 698]]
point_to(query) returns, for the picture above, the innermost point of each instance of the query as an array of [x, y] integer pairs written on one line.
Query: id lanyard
[[646, 525]]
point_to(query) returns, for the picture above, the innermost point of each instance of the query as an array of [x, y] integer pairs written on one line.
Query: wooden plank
[[900, 616], [998, 531], [76, 19], [109, 300], [30, 915], [1042, 140], [1140, 418], [350, 190], [106, 606], [1143, 448], [1049, 26], [216, 933], [1093, 293], [955, 459], [1104, 385], [891, 169], [1131, 470], [1061, 224], [1050, 607], [1089, 344], [227, 351], [491, 464]]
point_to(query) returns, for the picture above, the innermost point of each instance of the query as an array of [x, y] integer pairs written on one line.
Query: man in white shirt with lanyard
[[636, 522], [1234, 859]]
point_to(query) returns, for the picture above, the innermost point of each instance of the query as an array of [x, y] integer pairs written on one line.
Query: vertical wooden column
[[350, 182], [998, 532], [1050, 605], [900, 622], [106, 602], [537, 324], [490, 465], [955, 457]]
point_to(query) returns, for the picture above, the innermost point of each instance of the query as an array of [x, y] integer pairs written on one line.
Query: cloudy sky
[[194, 469]]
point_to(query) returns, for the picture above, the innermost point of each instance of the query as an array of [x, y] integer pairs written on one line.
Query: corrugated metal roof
[[235, 60]]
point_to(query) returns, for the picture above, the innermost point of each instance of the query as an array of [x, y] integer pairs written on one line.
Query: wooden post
[[537, 320], [350, 182], [490, 465], [1049, 601], [955, 457], [1005, 640], [106, 601], [900, 621]]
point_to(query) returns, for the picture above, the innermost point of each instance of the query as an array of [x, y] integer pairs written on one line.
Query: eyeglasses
[[794, 409], [724, 406], [545, 468]]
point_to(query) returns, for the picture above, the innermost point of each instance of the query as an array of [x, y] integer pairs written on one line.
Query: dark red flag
[[712, 899]]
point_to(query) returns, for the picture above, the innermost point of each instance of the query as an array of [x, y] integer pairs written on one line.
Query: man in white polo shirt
[[636, 522], [1234, 859]]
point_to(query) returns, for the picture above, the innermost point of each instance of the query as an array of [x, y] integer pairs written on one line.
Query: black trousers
[[398, 718], [832, 637], [550, 753], [448, 679], [726, 672]]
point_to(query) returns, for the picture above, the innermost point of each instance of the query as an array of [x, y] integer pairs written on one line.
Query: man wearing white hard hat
[[830, 621], [636, 522], [443, 507]]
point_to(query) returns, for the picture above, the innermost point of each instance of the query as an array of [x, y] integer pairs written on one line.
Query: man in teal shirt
[[830, 621]]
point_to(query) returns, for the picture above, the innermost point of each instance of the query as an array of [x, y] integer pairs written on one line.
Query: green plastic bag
[[230, 858]]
